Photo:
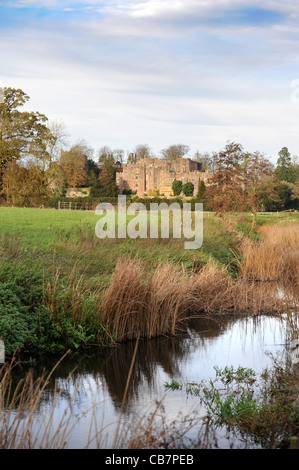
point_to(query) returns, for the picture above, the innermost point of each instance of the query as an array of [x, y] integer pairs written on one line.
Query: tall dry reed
[[140, 305], [273, 258]]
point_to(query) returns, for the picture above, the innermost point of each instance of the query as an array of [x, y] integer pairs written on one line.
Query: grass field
[[61, 286], [71, 236]]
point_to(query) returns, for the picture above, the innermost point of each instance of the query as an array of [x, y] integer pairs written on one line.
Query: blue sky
[[158, 72]]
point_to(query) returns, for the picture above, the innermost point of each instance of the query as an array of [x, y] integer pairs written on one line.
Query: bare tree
[[173, 152], [207, 160], [142, 151]]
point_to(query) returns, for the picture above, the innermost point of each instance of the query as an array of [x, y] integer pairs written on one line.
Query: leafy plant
[[261, 409]]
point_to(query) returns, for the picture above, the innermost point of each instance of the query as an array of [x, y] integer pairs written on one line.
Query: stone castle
[[150, 175]]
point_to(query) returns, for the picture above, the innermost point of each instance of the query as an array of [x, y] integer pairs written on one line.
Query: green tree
[[177, 187], [93, 178], [107, 180], [201, 191], [22, 133], [284, 170], [188, 189]]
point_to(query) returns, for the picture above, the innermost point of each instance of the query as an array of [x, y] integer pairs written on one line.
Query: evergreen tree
[[177, 187], [284, 170], [107, 180], [201, 191], [188, 189]]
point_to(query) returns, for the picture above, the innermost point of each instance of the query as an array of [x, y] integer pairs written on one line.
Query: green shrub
[[177, 187], [188, 189]]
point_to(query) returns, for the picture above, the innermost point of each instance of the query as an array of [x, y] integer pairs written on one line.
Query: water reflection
[[190, 356]]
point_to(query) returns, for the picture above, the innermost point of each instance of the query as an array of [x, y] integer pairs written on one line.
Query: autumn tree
[[258, 182], [75, 166], [22, 133], [226, 186], [24, 186]]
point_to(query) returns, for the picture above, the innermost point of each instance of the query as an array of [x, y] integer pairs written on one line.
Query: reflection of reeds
[[23, 425], [19, 408]]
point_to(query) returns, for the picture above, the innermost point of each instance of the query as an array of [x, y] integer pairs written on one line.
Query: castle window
[[136, 177]]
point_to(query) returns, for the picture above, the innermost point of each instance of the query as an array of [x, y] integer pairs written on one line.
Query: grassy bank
[[62, 287]]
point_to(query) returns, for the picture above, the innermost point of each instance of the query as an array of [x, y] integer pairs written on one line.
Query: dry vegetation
[[140, 305], [275, 257], [143, 303]]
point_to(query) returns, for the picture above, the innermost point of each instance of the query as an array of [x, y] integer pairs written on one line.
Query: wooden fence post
[[294, 442]]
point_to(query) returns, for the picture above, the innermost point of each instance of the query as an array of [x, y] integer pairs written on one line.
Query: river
[[97, 382]]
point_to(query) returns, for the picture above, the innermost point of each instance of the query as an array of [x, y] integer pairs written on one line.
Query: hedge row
[[90, 203]]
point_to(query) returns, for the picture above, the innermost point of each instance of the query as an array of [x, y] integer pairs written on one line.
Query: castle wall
[[152, 174]]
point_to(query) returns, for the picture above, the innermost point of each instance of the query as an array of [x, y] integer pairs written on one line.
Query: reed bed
[[139, 304], [273, 258], [136, 305]]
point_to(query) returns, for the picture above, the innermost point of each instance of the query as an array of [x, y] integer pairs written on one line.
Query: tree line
[[241, 181], [37, 162]]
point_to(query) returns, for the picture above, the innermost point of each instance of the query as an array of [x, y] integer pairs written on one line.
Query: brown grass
[[138, 304], [275, 257], [142, 303]]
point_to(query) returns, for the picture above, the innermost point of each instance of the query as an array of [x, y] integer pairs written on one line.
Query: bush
[[28, 322], [188, 189], [79, 203], [177, 187]]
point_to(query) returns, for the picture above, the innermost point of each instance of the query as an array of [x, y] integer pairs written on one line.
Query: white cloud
[[147, 72]]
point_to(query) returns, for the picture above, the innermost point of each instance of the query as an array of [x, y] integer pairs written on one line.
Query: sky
[[159, 72]]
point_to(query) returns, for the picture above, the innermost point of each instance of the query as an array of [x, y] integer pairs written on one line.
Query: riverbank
[[62, 287]]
